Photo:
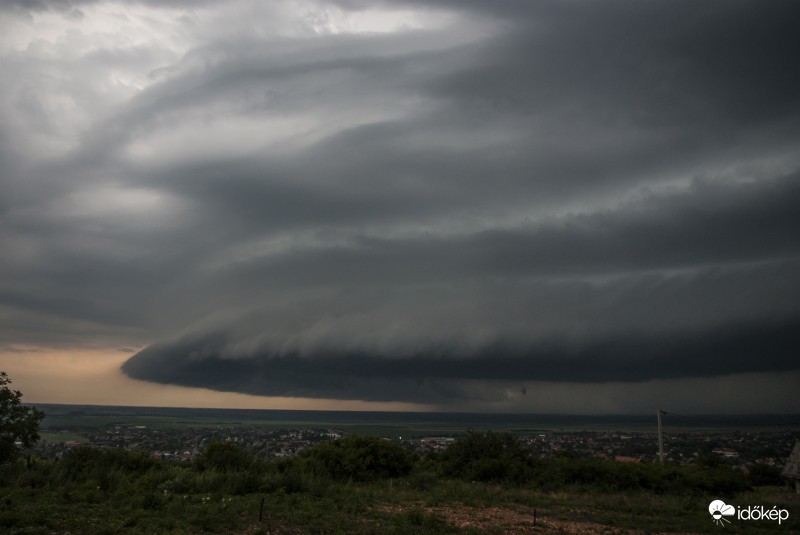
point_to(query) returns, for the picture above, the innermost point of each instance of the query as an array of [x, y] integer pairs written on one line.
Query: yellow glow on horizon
[[93, 377]]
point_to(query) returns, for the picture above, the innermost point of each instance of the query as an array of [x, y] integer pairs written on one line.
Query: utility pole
[[660, 438]]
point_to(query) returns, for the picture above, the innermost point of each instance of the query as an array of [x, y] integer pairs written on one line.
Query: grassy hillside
[[483, 483]]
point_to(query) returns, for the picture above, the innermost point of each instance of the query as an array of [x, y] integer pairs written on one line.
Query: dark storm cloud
[[582, 115], [706, 224], [401, 200], [439, 373], [657, 64], [62, 5]]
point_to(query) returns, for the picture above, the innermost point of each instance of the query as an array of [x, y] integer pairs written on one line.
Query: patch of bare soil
[[514, 521]]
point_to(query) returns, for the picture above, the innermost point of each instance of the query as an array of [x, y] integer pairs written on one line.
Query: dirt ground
[[514, 521]]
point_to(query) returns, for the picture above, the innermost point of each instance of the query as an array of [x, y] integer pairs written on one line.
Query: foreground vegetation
[[484, 482]]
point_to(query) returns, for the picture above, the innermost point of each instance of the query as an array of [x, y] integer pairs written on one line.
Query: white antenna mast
[[660, 438]]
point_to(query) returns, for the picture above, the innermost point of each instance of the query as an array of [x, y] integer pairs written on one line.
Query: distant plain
[[395, 424]]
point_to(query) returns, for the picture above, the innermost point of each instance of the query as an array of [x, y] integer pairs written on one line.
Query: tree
[[358, 458], [496, 457], [18, 424], [223, 456]]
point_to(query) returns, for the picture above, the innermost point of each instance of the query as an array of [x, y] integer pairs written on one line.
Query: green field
[[71, 417], [62, 437]]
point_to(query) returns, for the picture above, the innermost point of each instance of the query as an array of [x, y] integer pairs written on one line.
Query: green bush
[[761, 474], [489, 457], [223, 456], [293, 476], [81, 464], [357, 458], [189, 480], [499, 458]]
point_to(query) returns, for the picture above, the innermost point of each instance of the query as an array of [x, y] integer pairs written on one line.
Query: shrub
[[499, 458], [223, 456], [358, 458], [762, 474], [81, 464], [489, 457]]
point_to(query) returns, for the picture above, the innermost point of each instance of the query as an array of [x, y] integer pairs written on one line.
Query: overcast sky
[[496, 206]]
